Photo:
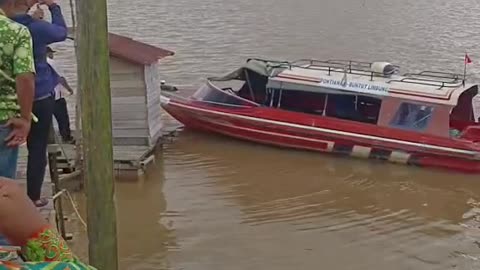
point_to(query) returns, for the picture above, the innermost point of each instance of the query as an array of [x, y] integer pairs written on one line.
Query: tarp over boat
[[266, 68]]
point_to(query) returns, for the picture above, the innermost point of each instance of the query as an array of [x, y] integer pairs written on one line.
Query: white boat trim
[[475, 154]]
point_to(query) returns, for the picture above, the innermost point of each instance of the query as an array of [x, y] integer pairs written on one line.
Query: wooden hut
[[136, 111], [135, 86]]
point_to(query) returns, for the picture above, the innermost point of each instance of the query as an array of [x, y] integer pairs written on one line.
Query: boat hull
[[285, 129]]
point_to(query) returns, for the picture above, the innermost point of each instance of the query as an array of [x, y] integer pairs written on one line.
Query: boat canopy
[[377, 79], [265, 68]]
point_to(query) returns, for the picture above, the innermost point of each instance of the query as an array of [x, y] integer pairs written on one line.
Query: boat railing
[[340, 66], [351, 65], [427, 78], [273, 63], [437, 74], [433, 78]]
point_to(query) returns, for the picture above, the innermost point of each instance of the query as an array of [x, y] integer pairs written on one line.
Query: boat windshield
[[212, 95]]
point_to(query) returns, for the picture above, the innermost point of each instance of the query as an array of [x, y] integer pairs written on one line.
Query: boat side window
[[296, 101], [358, 108], [412, 116], [363, 109]]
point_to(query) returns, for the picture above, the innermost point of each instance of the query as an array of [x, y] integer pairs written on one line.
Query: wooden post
[[94, 82], [52, 152], [78, 112], [72, 15]]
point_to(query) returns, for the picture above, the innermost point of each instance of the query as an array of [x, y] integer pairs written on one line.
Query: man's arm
[[57, 30], [65, 84], [25, 84], [24, 69], [57, 16]]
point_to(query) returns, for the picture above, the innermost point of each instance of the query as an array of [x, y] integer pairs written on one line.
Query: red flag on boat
[[467, 59]]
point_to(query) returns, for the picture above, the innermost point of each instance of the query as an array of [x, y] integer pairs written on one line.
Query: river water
[[213, 203]]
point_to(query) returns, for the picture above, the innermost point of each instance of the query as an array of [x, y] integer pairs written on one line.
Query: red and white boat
[[346, 107]]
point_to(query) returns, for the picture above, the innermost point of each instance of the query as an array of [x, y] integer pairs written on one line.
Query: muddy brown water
[[211, 202]]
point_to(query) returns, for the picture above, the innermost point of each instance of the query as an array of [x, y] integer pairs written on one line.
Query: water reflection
[[141, 207], [264, 201]]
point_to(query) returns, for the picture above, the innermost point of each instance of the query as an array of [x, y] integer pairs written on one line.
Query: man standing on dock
[[17, 86], [43, 34], [61, 111]]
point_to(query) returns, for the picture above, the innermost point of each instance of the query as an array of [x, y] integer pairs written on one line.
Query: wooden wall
[[154, 109], [129, 111]]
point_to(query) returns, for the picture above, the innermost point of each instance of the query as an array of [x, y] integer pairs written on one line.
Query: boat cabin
[[428, 102]]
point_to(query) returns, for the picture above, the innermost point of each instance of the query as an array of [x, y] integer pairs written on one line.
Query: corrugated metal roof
[[132, 50]]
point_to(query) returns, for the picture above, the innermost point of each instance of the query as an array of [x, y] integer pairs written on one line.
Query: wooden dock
[[126, 157]]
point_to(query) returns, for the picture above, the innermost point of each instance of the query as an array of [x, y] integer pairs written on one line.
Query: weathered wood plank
[[122, 77], [120, 153], [127, 92], [129, 108], [130, 124], [153, 96], [127, 84], [129, 116], [154, 112], [119, 66], [130, 133], [125, 141], [129, 100]]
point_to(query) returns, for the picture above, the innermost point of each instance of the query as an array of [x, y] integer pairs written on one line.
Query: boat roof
[[267, 68], [352, 77]]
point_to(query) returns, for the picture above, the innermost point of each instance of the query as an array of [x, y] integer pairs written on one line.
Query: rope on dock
[[72, 202]]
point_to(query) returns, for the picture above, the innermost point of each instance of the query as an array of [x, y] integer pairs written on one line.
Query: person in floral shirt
[[41, 246], [17, 85]]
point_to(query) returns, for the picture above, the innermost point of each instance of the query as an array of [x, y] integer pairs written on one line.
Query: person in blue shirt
[[43, 34], [61, 91]]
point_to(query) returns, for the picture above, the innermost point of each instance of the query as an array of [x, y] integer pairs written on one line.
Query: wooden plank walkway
[[125, 157]]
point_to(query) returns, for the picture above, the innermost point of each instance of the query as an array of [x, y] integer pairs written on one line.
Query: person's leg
[[57, 114], [61, 114], [37, 147], [8, 156], [66, 117]]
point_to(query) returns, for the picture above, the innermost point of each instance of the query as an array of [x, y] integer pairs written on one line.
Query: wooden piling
[[94, 84], [78, 113], [52, 152]]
